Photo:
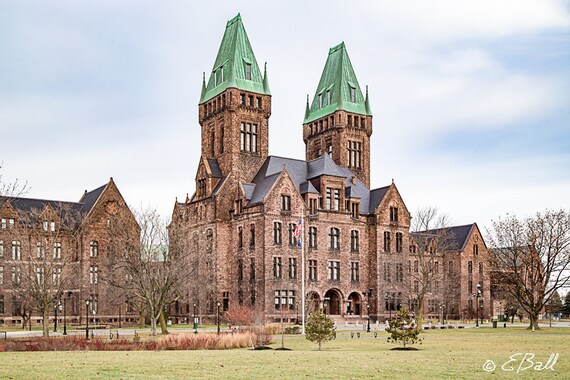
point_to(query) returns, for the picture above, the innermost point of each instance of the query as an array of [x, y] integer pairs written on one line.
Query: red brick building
[[241, 221], [63, 248]]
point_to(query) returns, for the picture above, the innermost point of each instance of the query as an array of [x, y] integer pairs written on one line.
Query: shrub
[[320, 328], [403, 328]]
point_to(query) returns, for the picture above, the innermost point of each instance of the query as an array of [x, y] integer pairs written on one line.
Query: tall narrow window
[[252, 269], [222, 140], [354, 271], [292, 238], [1, 275], [93, 275], [386, 241], [313, 270], [251, 235], [334, 238], [57, 250], [285, 203], [312, 237], [213, 143], [1, 249], [277, 267], [40, 250], [334, 270], [387, 272], [393, 214], [248, 71], [399, 243], [240, 270], [240, 237], [276, 233], [354, 241], [336, 204], [353, 94], [248, 137], [292, 267], [16, 250], [470, 267], [93, 248]]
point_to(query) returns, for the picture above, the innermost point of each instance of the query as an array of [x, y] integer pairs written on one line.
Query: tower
[[234, 110], [338, 122]]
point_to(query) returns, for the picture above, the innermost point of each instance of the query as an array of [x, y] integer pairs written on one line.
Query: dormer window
[[329, 150], [329, 97], [320, 100], [353, 94], [248, 71], [333, 199], [239, 206]]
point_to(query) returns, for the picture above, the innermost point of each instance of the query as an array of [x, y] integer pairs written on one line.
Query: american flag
[[298, 231]]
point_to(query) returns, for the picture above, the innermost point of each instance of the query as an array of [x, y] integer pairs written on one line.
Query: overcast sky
[[470, 98]]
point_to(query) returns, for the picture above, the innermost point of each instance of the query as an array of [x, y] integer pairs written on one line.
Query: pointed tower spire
[[203, 87], [265, 81], [367, 103], [235, 65], [307, 108]]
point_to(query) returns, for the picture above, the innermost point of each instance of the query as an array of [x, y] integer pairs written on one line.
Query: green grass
[[444, 354]]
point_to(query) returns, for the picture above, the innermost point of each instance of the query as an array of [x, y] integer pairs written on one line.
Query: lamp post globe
[[86, 319], [218, 315]]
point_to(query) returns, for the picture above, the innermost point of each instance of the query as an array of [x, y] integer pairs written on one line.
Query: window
[[11, 223], [450, 265], [333, 199], [252, 269], [386, 241], [354, 271], [242, 99], [481, 270], [240, 237], [222, 140], [292, 267], [436, 286], [1, 249], [416, 286], [40, 250], [251, 235], [93, 248], [240, 270], [1, 304], [16, 278], [250, 100], [45, 225], [329, 149], [16, 250], [285, 203], [313, 206], [399, 272], [284, 299], [387, 272], [355, 210], [412, 248], [312, 237], [320, 97], [248, 137], [277, 233], [470, 286], [93, 275], [1, 275], [354, 154], [334, 270], [399, 244], [277, 267], [334, 238], [292, 238], [258, 102], [354, 243], [202, 187], [353, 94], [57, 276], [239, 207], [52, 226], [4, 224], [313, 270], [213, 142], [248, 71], [393, 215], [416, 266], [470, 267]]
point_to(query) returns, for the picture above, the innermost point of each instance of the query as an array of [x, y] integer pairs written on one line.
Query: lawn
[[444, 354]]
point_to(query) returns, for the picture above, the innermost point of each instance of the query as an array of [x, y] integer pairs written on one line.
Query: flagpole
[[303, 269]]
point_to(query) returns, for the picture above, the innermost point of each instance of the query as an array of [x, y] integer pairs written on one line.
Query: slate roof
[[82, 207], [234, 54], [302, 171], [457, 235], [334, 88], [214, 168]]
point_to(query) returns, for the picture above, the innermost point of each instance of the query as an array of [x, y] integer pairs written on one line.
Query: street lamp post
[[297, 313], [195, 320], [368, 313], [65, 312], [219, 304], [87, 319], [55, 316]]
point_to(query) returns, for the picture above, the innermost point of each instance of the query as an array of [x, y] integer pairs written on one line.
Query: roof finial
[[266, 81], [367, 103], [203, 87], [392, 181], [307, 108]]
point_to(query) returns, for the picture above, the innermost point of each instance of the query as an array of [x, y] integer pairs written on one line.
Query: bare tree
[[431, 239], [11, 189], [531, 258], [150, 270], [42, 252]]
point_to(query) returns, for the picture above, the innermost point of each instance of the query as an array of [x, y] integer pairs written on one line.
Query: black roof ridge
[[287, 158], [39, 200], [448, 228]]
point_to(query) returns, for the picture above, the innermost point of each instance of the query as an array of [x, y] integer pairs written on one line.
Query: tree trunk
[[533, 322], [141, 320], [163, 326], [319, 345], [419, 317], [153, 326], [45, 324]]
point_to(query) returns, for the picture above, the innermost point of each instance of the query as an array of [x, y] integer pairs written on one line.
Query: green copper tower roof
[[338, 88], [235, 65]]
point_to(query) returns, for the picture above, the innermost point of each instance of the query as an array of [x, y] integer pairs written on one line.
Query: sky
[[470, 98]]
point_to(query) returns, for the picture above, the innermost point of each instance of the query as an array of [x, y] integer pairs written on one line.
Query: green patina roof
[[234, 54], [338, 78]]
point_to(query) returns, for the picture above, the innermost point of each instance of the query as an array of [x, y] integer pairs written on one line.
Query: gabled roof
[[229, 69], [89, 198], [376, 197], [301, 172], [456, 237], [214, 168], [334, 88]]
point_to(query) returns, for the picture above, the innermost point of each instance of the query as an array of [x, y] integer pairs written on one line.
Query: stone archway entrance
[[334, 299], [313, 302], [354, 306]]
